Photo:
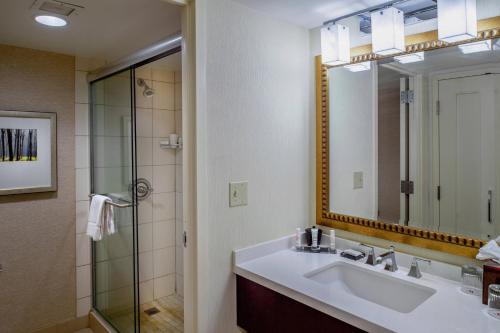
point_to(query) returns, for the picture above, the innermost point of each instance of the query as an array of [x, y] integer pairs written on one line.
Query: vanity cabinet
[[262, 310]]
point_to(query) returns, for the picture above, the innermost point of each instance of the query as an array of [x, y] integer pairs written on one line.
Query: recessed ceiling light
[[482, 46], [359, 67], [408, 58], [51, 21]]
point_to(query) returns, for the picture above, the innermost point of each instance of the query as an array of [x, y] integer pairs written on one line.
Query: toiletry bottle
[[314, 237], [332, 240], [298, 240]]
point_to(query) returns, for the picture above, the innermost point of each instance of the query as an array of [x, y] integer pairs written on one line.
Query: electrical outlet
[[238, 194], [357, 180]]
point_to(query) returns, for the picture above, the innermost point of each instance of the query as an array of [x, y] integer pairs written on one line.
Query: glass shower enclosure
[[114, 173]]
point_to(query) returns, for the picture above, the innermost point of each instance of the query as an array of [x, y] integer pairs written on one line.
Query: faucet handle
[[415, 269], [370, 260]]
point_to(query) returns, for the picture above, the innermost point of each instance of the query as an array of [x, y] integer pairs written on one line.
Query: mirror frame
[[433, 240]]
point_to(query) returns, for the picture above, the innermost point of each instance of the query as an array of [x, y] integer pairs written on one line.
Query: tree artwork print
[[18, 145]]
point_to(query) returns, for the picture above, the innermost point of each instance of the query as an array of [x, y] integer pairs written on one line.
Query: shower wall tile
[[81, 151], [178, 178], [164, 261], [81, 119], [143, 72], [81, 87], [144, 125], [145, 237], [146, 172], [117, 91], [82, 184], [162, 156], [83, 306], [146, 266], [164, 178], [144, 151], [178, 76], [178, 233], [163, 234], [179, 284], [163, 206], [83, 285], [163, 75], [178, 206], [164, 286], [82, 214], [163, 123], [179, 260], [178, 96], [117, 120], [164, 95], [146, 291], [82, 250], [145, 210]]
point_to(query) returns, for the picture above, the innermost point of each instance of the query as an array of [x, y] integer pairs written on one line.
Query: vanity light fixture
[[457, 20], [409, 58], [51, 21], [335, 45], [388, 31], [362, 66], [482, 46]]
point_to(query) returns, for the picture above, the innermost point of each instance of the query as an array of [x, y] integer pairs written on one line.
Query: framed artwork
[[28, 150]]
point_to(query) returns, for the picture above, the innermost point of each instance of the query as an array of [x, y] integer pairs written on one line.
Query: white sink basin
[[391, 292]]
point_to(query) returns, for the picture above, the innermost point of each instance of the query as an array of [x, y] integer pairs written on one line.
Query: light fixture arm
[[366, 10]]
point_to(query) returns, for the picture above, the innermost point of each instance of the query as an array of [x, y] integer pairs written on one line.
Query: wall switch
[[357, 180], [238, 194]]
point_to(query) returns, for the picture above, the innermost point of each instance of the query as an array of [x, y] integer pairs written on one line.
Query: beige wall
[[37, 231], [252, 123]]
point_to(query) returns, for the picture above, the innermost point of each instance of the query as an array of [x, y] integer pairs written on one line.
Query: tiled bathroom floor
[[169, 319]]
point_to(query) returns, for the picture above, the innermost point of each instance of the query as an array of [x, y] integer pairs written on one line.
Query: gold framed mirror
[[438, 239]]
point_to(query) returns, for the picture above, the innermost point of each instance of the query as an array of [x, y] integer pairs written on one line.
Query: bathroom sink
[[391, 292]]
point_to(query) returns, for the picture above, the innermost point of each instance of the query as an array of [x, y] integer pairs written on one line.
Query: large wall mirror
[[409, 148]]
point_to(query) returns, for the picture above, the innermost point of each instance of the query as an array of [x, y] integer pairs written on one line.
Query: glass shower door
[[113, 171]]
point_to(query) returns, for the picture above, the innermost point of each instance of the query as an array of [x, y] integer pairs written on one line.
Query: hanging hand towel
[[490, 251], [100, 218]]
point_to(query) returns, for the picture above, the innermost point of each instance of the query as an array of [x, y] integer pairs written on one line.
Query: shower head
[[148, 91]]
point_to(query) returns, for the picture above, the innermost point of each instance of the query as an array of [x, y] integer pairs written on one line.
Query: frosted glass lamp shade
[[457, 20], [335, 45], [388, 31]]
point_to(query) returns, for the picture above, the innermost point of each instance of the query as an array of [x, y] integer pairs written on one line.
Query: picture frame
[[28, 152]]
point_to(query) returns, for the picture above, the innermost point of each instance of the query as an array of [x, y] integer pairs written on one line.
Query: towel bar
[[114, 204]]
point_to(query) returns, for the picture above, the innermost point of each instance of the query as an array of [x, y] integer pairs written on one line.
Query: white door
[[466, 123]]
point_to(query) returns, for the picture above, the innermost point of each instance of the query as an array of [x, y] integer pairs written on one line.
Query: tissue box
[[491, 275]]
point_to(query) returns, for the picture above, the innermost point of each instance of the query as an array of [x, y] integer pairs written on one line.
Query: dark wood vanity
[[262, 310]]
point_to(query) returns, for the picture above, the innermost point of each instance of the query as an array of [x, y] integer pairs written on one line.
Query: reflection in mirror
[[416, 140]]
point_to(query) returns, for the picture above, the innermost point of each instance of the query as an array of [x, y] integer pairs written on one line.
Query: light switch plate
[[238, 194], [357, 180]]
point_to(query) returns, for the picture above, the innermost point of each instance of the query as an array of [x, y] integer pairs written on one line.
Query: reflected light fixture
[[482, 46], [335, 45], [388, 31], [359, 67], [51, 21], [457, 20], [409, 58]]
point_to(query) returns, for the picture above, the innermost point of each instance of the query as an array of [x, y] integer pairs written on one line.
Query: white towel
[[101, 220], [490, 251]]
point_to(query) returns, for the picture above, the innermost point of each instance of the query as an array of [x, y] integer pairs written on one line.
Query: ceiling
[[309, 13], [104, 29]]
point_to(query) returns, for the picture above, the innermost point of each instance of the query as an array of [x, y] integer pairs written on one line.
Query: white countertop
[[277, 266]]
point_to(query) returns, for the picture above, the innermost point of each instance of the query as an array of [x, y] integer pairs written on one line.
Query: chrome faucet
[[414, 269], [370, 260], [390, 260]]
